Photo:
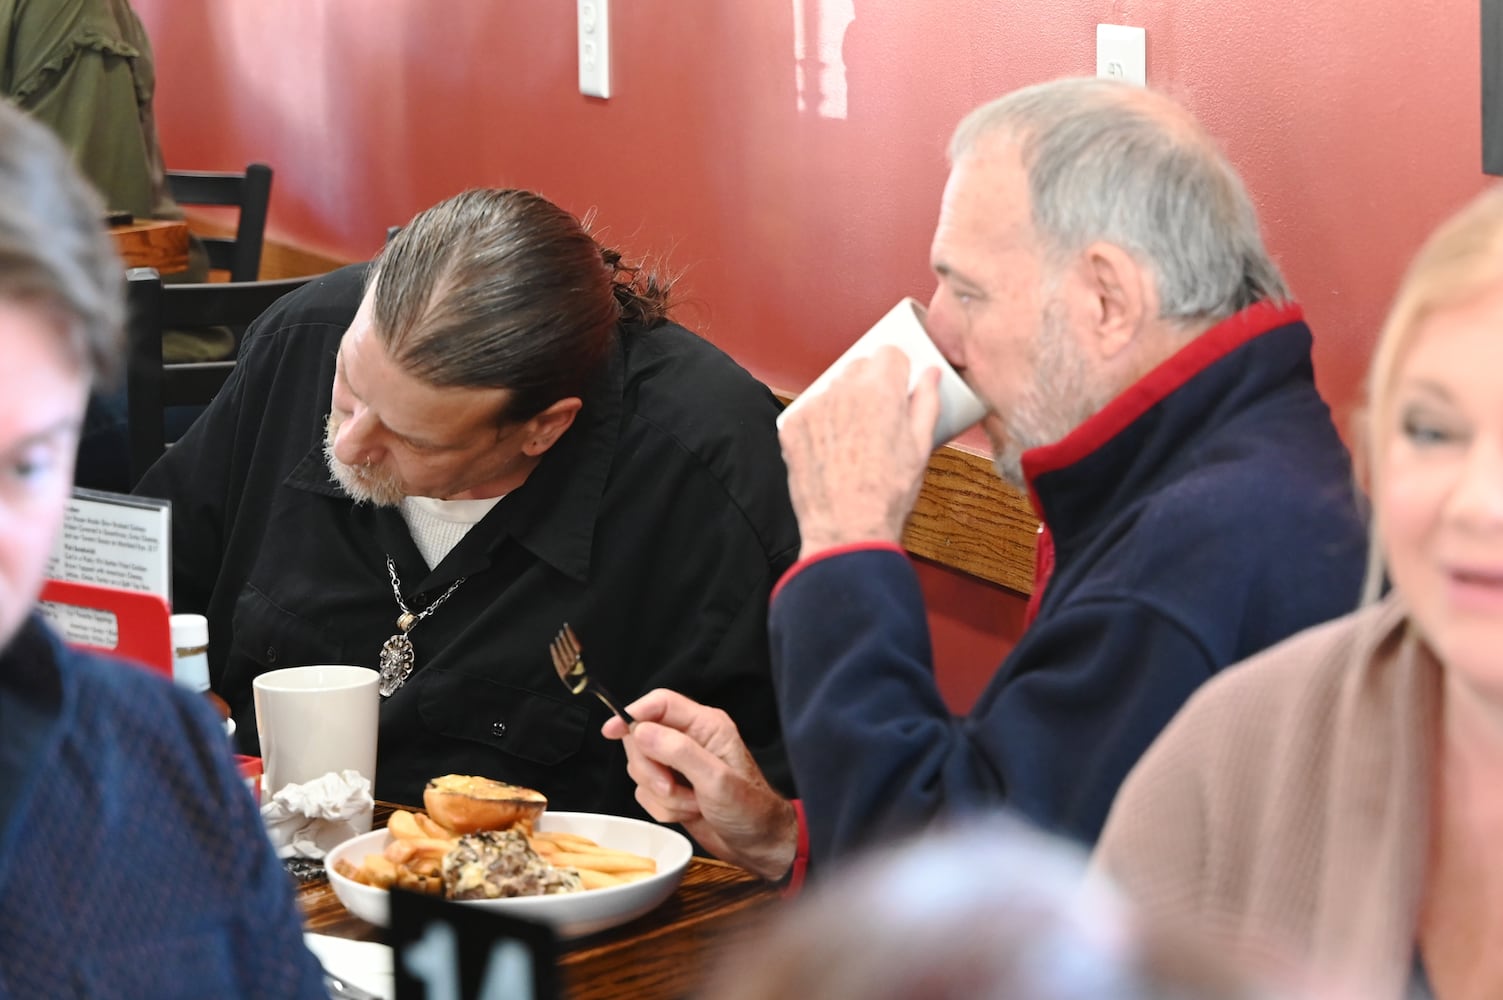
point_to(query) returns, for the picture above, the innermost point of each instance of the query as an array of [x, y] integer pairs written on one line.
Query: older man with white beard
[[428, 465], [1103, 287]]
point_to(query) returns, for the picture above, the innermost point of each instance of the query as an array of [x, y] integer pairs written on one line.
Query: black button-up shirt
[[655, 527]]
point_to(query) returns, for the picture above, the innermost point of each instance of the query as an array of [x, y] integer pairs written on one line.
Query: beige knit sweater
[[1285, 810]]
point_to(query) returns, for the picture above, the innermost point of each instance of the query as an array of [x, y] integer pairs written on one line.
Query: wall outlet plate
[[1121, 53], [595, 48]]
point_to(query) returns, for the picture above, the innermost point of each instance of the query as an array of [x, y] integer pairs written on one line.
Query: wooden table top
[[664, 953], [158, 243]]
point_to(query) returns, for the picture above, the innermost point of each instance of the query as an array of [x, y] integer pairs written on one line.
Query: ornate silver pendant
[[396, 663]]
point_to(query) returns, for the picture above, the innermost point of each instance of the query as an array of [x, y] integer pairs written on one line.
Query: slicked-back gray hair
[[1109, 161], [54, 251], [503, 289]]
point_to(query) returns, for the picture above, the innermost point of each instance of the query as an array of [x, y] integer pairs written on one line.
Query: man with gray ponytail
[[1103, 287], [428, 464]]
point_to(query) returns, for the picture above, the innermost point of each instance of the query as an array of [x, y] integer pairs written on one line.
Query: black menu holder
[[446, 951]]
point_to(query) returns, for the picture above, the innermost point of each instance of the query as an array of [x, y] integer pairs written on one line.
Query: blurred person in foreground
[[986, 909], [1340, 797], [428, 464], [132, 858], [1103, 286]]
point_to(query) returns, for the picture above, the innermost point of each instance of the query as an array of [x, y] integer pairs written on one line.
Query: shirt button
[[271, 654], [498, 729]]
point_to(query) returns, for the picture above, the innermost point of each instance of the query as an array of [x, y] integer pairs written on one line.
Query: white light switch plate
[[595, 48], [1121, 53]]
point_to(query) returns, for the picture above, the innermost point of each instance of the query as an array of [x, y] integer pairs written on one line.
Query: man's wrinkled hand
[[857, 452], [692, 768]]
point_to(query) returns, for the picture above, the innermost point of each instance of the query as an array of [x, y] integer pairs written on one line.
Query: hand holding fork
[[744, 820]]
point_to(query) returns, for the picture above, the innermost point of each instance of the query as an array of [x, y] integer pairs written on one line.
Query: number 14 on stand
[[443, 951]]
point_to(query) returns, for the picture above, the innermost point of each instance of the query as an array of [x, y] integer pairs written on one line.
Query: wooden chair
[[150, 385], [251, 192]]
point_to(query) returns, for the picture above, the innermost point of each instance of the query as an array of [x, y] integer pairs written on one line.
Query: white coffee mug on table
[[903, 327], [316, 719]]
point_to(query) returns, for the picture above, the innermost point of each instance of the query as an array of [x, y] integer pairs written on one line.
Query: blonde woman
[[1338, 800]]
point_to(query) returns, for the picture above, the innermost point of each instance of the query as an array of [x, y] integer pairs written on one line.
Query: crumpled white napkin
[[309, 820]]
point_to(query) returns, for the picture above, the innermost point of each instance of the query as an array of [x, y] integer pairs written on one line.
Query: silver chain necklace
[[396, 653]]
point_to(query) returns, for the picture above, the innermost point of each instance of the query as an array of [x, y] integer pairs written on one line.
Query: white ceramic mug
[[903, 328], [313, 720]]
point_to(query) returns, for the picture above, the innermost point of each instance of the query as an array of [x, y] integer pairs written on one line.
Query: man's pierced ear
[[548, 426]]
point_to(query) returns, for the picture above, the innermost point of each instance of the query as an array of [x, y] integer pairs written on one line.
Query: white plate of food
[[571, 914]]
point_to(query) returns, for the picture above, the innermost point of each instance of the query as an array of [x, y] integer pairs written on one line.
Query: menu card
[[109, 540]]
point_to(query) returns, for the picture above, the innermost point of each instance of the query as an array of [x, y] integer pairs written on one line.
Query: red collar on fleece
[[1189, 361]]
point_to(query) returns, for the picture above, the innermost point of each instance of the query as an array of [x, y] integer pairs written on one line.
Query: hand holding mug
[[857, 441]]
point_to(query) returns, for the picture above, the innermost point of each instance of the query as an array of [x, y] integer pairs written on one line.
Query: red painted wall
[[797, 214]]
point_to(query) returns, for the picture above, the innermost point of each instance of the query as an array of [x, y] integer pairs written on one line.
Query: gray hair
[[1110, 161], [54, 251], [503, 289], [984, 907]]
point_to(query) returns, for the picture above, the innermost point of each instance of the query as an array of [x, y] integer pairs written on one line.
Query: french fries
[[414, 857]]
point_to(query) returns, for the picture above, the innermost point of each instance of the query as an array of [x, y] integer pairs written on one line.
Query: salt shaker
[[190, 652]]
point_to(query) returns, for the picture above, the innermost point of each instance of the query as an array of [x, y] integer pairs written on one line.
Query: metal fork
[[568, 660]]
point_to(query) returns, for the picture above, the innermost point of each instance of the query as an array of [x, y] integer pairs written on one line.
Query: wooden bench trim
[[968, 519]]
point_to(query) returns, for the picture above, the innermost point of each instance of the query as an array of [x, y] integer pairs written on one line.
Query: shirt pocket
[[271, 637], [534, 727]]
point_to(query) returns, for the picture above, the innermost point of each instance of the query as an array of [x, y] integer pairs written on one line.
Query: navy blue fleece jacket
[[1206, 513]]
